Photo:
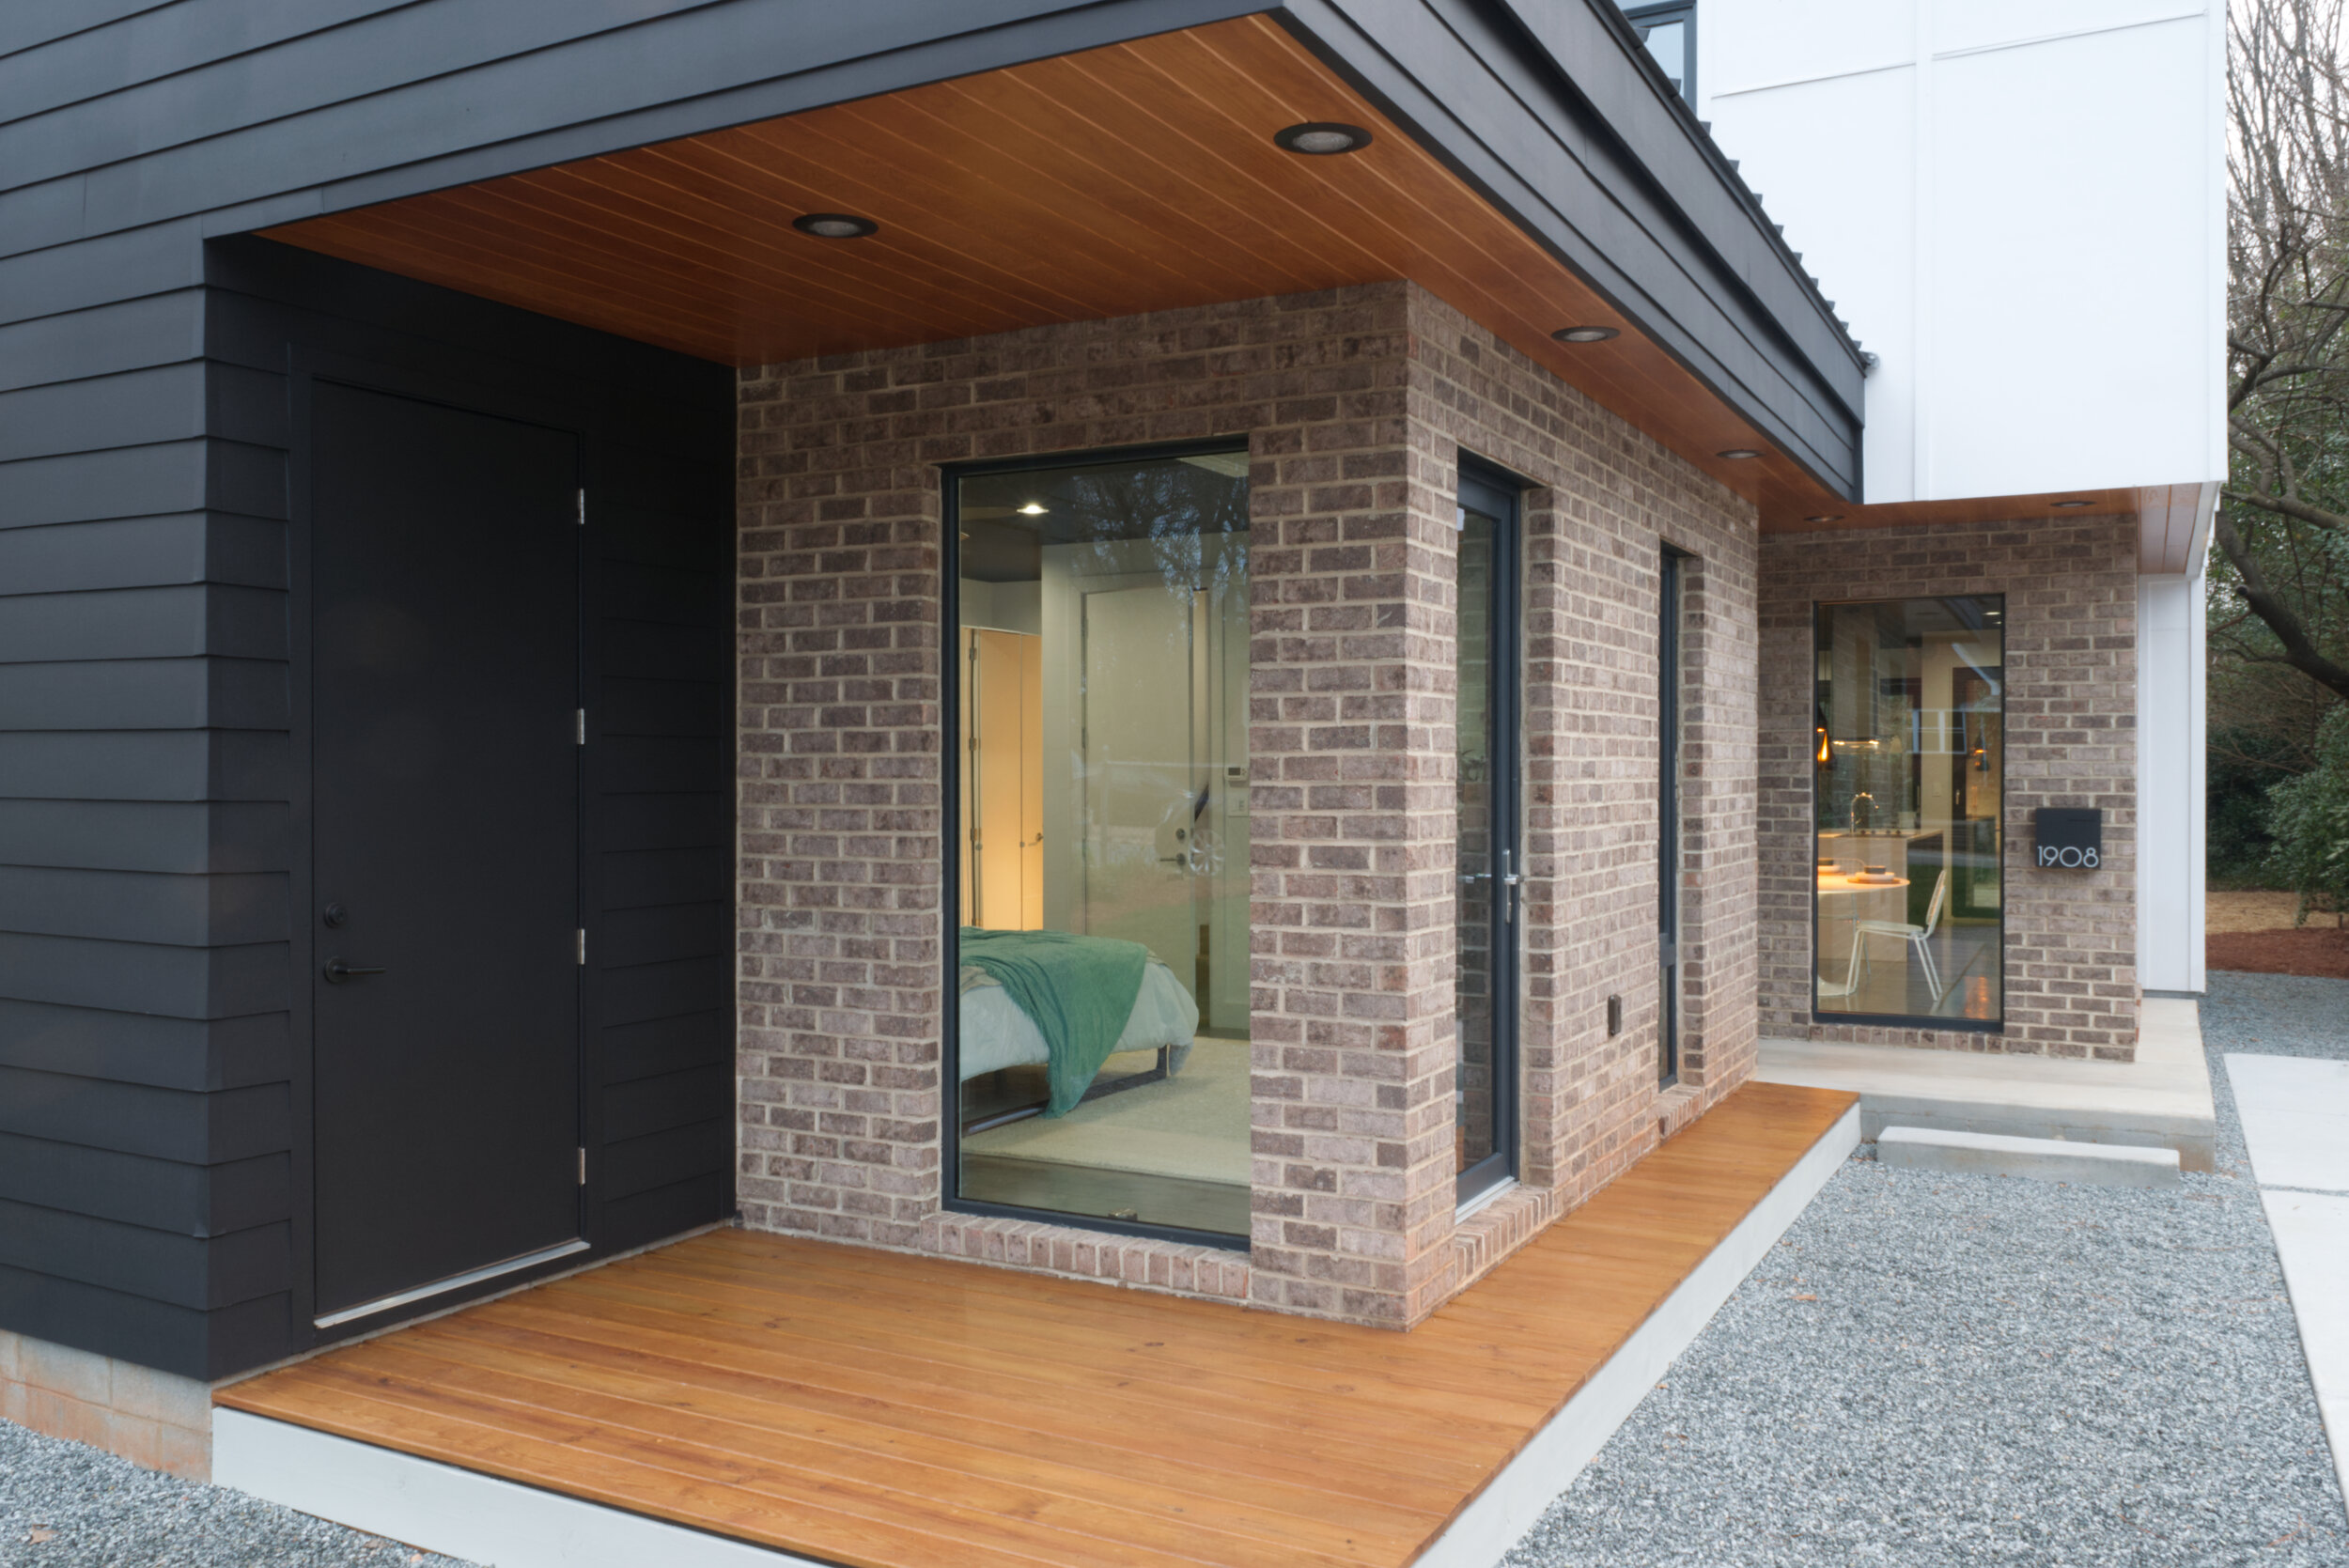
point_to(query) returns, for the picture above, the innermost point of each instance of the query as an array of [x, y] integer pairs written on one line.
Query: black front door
[[445, 638]]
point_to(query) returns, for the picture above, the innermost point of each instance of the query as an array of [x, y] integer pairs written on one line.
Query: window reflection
[[1907, 753], [1670, 33], [1099, 635]]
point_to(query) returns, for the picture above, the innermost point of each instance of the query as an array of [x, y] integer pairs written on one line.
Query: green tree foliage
[[2310, 820]]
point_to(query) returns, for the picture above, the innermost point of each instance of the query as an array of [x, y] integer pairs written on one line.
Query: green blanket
[[1080, 990]]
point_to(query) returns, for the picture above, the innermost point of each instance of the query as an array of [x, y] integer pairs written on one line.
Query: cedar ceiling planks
[[1128, 178]]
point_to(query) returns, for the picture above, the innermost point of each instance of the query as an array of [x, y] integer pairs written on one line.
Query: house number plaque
[[2070, 838]]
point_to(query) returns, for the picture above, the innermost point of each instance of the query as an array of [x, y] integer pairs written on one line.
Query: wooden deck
[[876, 1409]]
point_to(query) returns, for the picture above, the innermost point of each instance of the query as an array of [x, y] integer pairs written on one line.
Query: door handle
[[337, 972]]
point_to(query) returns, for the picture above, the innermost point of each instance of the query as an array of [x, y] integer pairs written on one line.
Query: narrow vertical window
[[1490, 847], [1097, 634], [1670, 750], [1908, 750]]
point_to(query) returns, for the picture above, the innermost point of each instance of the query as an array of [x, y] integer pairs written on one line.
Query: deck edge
[[457, 1512], [1497, 1516]]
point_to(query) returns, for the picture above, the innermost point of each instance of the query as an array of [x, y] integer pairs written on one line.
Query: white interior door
[[1142, 787]]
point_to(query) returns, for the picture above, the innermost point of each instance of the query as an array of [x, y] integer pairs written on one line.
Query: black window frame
[[1940, 1023], [1644, 17], [1500, 495], [1671, 807], [950, 859]]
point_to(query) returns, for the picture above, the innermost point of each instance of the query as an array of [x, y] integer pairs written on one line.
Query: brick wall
[[1353, 404], [2071, 716], [840, 912], [1610, 499]]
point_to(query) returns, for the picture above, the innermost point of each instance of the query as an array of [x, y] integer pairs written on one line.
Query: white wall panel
[[1741, 45], [1849, 206], [2024, 223], [2063, 327], [1959, 24], [2169, 782]]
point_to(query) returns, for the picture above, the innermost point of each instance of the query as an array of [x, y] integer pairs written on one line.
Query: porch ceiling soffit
[[1141, 176]]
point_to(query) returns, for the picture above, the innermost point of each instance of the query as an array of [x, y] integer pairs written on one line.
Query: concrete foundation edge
[[1510, 1504], [457, 1512]]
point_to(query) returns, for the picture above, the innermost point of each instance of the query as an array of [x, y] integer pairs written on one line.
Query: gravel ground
[[1970, 1369], [61, 1503]]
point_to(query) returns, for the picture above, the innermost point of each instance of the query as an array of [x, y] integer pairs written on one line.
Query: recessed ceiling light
[[834, 226], [1737, 453], [2067, 505], [1585, 334], [1033, 509], [1321, 138], [1825, 516]]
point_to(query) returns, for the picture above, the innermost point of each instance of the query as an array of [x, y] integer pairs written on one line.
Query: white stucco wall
[[2019, 207]]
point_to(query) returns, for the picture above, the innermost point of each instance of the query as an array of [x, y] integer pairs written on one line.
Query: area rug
[[1193, 1126]]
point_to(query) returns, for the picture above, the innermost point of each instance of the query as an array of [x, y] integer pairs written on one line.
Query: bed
[[996, 1031]]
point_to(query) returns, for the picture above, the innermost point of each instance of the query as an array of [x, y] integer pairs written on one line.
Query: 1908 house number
[[2068, 838]]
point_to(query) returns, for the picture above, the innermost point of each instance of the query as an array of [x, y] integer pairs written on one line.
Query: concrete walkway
[[2160, 1100], [2295, 1121]]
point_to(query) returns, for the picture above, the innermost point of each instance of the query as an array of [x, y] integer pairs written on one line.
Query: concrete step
[[2162, 1099], [2047, 1160]]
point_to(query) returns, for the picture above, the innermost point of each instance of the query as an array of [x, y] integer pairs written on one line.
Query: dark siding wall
[[153, 950], [663, 867], [144, 1119]]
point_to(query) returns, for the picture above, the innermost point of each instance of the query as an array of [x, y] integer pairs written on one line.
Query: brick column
[[839, 825], [1351, 756]]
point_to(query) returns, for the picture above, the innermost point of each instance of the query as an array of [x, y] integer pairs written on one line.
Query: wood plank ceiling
[[1134, 178]]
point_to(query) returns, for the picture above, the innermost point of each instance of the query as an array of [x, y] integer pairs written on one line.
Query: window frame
[[949, 825], [1943, 1023], [1682, 11]]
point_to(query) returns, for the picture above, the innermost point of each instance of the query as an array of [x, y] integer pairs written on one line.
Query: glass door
[[1491, 859]]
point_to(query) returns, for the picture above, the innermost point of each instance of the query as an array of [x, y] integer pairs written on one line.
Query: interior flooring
[[871, 1408], [1892, 983]]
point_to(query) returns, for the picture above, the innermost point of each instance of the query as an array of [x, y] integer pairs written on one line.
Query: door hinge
[[583, 1165], [583, 726], [582, 508], [583, 946]]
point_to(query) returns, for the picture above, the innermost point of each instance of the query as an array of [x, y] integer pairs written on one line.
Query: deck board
[[888, 1411]]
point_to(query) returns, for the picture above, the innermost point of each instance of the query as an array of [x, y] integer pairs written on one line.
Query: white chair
[[1918, 937]]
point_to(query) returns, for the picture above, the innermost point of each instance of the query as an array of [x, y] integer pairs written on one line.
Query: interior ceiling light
[[1737, 453], [834, 226], [2067, 505], [1033, 509], [1319, 138], [1823, 516], [1584, 334]]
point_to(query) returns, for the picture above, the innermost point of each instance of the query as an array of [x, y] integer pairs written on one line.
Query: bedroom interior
[[1100, 849]]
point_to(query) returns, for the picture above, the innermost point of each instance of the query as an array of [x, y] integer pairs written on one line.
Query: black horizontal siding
[[663, 768], [152, 1167]]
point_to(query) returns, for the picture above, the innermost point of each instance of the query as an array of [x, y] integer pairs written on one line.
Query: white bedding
[[996, 1033]]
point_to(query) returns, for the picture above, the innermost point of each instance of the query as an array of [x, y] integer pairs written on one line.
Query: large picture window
[[1097, 640], [1908, 746]]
